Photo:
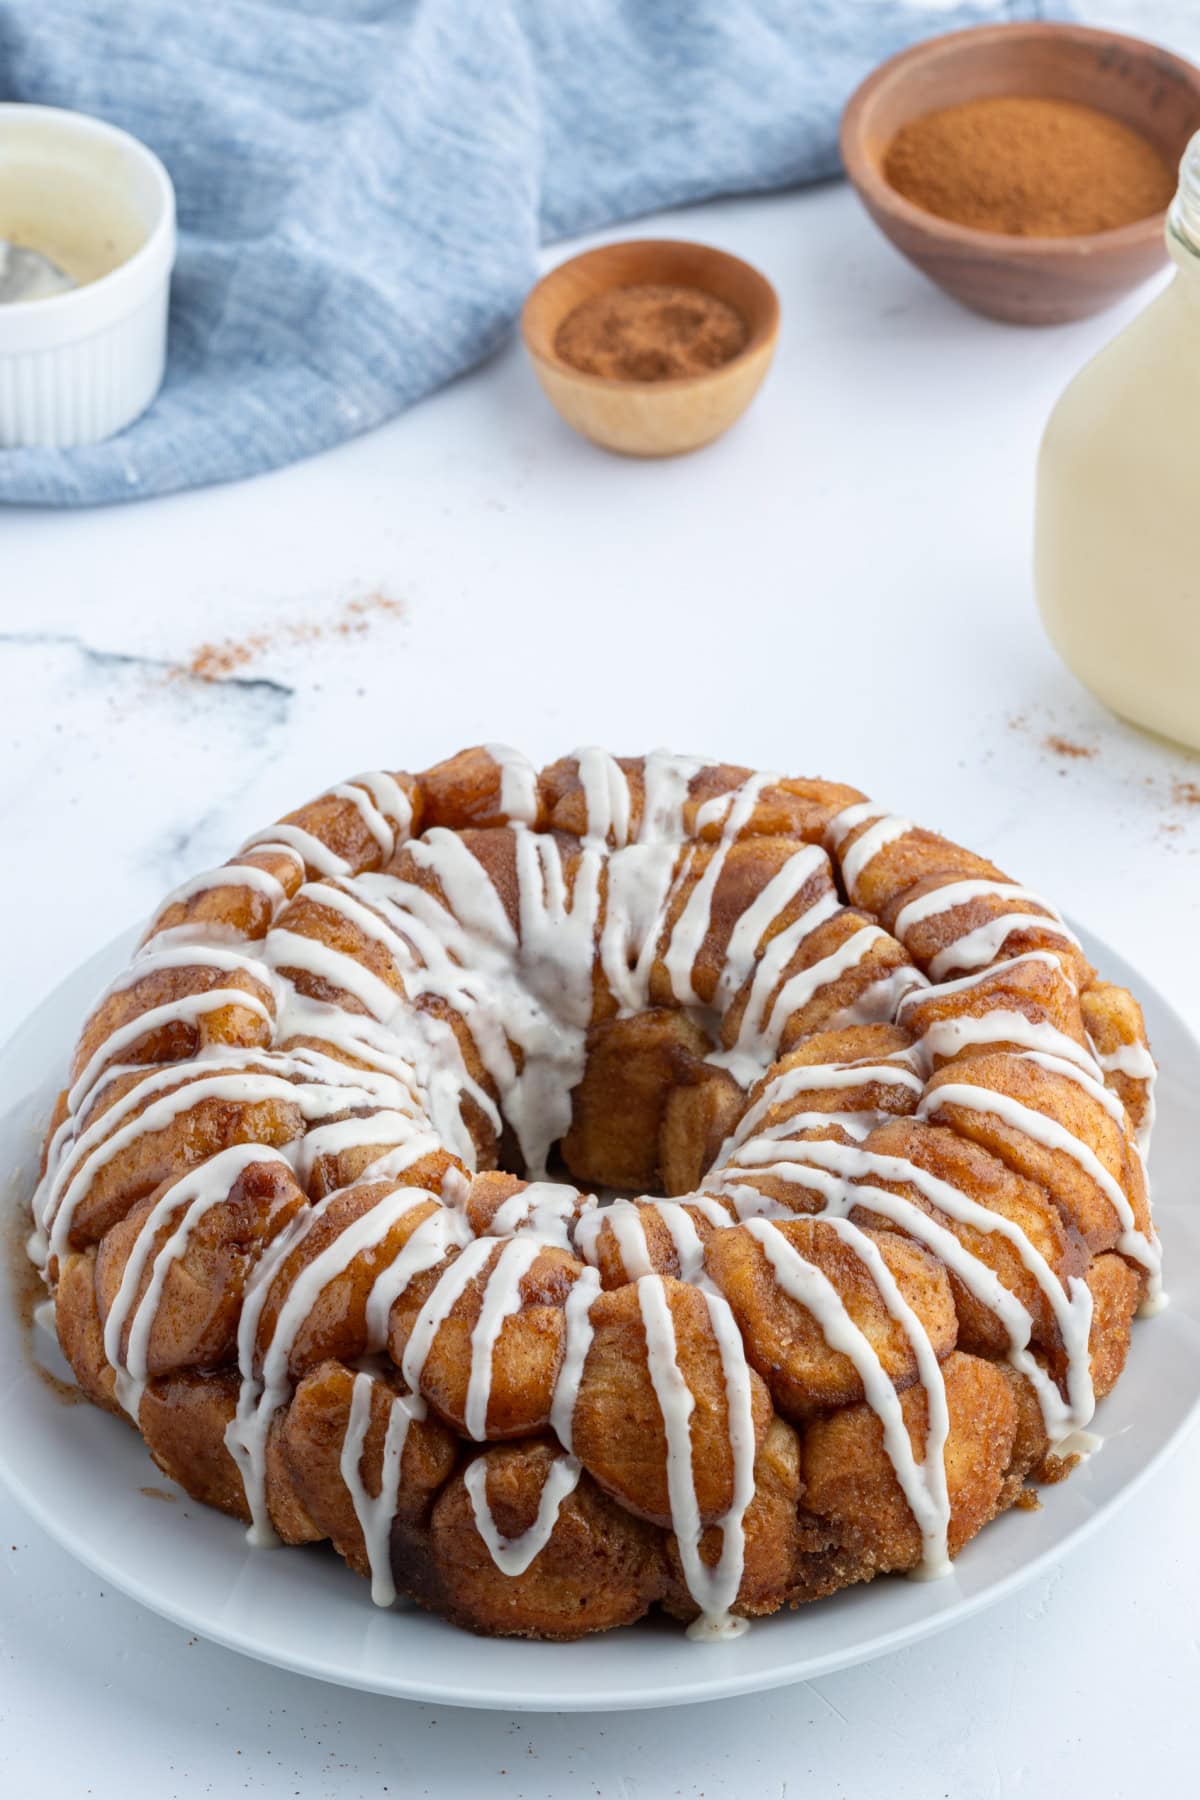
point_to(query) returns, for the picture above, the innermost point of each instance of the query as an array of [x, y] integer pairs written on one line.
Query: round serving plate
[[89, 1482]]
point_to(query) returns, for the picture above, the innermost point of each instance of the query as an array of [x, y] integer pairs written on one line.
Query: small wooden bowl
[[651, 418], [1027, 280]]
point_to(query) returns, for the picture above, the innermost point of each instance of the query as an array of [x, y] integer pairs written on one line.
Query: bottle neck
[[1183, 215]]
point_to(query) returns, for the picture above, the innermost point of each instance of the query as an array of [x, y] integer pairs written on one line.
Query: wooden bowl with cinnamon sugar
[[663, 417], [1026, 280]]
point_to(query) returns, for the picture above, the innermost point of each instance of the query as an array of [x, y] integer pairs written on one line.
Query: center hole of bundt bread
[[649, 1114]]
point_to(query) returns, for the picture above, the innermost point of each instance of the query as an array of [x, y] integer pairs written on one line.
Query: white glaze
[[375, 1512], [1052, 1135], [713, 1590], [512, 1556], [523, 994], [923, 1482], [980, 948]]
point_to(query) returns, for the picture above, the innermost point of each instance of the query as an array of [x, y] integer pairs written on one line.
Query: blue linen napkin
[[363, 184]]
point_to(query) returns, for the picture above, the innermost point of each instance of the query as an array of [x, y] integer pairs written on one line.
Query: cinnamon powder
[[1028, 167], [652, 331], [217, 661]]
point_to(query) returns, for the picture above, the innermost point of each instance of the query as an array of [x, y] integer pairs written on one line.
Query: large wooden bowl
[[1029, 280], [652, 418]]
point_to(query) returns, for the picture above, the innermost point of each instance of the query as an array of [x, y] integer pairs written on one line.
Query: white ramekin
[[78, 367]]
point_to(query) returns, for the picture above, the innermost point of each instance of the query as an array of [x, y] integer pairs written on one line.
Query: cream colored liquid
[[75, 220], [1117, 540]]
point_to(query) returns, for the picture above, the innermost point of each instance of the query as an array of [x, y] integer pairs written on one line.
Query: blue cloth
[[363, 184]]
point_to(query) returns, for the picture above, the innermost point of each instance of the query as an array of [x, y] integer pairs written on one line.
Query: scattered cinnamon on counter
[[653, 331], [1064, 746], [218, 661], [1028, 166], [1186, 793]]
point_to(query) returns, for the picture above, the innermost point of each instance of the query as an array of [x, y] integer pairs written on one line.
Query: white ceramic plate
[[82, 1476]]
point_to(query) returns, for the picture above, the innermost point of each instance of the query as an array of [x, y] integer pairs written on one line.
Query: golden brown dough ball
[[195, 1320], [968, 1169], [230, 907], [786, 1341], [335, 1322], [464, 791], [619, 1430], [80, 1330], [1030, 991], [183, 1418], [771, 1535], [527, 1352], [313, 1435], [783, 1091], [629, 1237], [235, 1023], [1082, 1198], [202, 1122], [599, 1567], [849, 1479], [1115, 1025], [618, 1108]]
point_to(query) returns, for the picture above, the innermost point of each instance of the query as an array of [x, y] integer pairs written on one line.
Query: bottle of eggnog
[[1117, 536]]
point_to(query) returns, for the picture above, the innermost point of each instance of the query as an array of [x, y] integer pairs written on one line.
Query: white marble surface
[[841, 586]]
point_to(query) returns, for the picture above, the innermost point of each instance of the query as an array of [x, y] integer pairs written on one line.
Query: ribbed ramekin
[[81, 366]]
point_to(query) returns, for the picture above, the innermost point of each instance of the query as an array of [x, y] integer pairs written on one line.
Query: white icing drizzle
[[844, 822], [692, 927], [518, 784], [521, 994], [264, 1391], [867, 846], [843, 1174], [813, 1078], [392, 801], [1052, 1135], [753, 924], [195, 1194], [577, 1325], [234, 874], [512, 1556], [761, 1030], [182, 1011], [442, 1231], [313, 852], [713, 1590], [606, 797], [943, 990], [375, 1512], [154, 956], [501, 1298], [381, 804], [1135, 1062], [923, 1482], [1000, 1025], [685, 1239], [944, 899], [471, 1262], [980, 947], [543, 1210]]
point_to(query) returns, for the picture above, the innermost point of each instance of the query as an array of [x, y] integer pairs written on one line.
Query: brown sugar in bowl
[[651, 417], [1025, 280]]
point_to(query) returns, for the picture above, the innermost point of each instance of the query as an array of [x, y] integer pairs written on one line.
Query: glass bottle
[[1117, 533]]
